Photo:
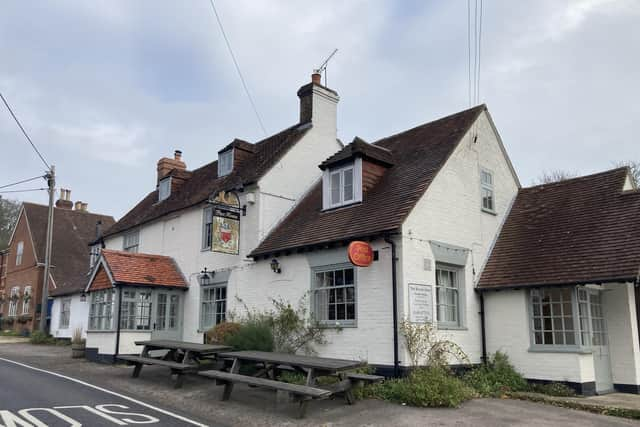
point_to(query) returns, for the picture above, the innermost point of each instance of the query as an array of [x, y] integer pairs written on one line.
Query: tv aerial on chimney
[[323, 67]]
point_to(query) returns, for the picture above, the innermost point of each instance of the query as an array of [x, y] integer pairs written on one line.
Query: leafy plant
[[221, 332], [496, 377], [433, 386], [39, 337], [254, 334], [553, 389], [424, 344]]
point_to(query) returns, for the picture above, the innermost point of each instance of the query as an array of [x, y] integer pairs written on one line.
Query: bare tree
[[635, 169], [557, 175], [9, 210]]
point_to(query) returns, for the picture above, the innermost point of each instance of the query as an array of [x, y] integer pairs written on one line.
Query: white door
[[594, 329], [167, 321]]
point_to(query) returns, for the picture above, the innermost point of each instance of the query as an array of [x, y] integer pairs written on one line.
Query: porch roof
[[125, 268], [578, 231]]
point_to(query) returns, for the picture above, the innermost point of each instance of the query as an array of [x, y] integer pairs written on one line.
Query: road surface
[[34, 397]]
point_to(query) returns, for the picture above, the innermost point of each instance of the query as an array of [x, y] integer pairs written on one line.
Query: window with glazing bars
[[101, 310], [334, 296], [448, 295], [136, 310], [214, 306], [65, 313], [207, 228], [552, 317]]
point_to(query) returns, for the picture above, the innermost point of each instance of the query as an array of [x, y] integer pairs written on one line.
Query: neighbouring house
[[4, 258], [561, 285], [207, 220], [430, 202], [74, 227]]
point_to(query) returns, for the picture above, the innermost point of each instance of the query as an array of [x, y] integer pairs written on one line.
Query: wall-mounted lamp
[[275, 266], [83, 297], [206, 276]]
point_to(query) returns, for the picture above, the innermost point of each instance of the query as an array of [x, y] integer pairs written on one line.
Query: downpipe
[[394, 286]]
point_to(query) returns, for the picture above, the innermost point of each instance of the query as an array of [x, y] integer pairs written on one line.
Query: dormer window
[[342, 185], [225, 163], [164, 188]]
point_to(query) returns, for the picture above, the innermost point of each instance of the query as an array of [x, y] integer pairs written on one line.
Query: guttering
[[557, 285], [483, 330], [394, 286]]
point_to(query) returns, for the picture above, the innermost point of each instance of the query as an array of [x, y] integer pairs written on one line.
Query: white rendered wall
[[508, 331], [622, 328], [79, 316], [105, 342], [370, 340], [450, 212]]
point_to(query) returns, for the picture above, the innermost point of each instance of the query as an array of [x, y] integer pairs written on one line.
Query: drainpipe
[[394, 285], [483, 329], [119, 289]]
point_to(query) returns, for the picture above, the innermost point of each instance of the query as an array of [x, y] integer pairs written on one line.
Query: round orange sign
[[360, 253]]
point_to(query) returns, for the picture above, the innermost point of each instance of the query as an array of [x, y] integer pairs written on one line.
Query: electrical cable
[[21, 182]]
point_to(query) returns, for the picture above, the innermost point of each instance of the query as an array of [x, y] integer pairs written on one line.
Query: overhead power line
[[476, 50], [23, 191], [24, 132], [21, 182], [235, 62]]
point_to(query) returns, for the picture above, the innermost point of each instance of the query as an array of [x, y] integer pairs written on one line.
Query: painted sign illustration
[[226, 223], [360, 253]]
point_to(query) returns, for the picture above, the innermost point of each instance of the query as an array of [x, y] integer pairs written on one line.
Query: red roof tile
[[143, 269], [582, 230]]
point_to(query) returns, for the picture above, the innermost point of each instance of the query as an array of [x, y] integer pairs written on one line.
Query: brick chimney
[[64, 202], [318, 105], [166, 165]]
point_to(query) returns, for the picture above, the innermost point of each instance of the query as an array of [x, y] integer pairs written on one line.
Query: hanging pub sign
[[360, 253], [225, 227]]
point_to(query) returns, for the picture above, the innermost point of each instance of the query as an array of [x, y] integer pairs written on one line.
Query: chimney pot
[[77, 205], [84, 207], [177, 155], [316, 77]]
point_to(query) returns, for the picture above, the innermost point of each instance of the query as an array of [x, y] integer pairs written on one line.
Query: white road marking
[[113, 393]]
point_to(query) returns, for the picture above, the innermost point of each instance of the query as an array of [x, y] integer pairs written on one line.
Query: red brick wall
[[371, 174]]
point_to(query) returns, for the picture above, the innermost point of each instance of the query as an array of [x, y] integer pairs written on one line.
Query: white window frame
[[456, 288], [218, 303], [26, 302], [207, 227], [164, 188], [13, 303], [320, 296], [225, 162], [327, 197], [19, 252], [94, 254], [101, 310], [65, 313], [136, 312], [489, 189], [131, 241]]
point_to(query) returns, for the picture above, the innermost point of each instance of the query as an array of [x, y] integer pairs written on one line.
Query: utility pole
[[51, 181]]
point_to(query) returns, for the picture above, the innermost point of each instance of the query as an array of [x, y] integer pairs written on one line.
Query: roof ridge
[[135, 254], [480, 107], [577, 178]]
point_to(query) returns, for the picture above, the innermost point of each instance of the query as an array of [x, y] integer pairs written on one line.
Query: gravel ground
[[258, 407]]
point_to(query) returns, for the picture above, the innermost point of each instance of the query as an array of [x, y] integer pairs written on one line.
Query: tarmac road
[[31, 396]]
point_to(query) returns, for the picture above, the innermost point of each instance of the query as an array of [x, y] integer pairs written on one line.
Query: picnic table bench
[[179, 356], [312, 367]]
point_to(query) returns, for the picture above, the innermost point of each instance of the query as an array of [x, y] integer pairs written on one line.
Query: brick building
[[74, 228]]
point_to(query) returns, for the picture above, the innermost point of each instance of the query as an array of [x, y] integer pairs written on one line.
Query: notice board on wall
[[420, 303]]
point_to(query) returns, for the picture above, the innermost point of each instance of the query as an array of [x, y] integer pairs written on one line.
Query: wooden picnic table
[[312, 367], [180, 357]]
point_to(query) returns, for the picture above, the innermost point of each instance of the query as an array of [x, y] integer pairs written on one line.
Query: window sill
[[559, 349], [337, 325], [451, 328], [206, 249], [336, 207], [489, 211]]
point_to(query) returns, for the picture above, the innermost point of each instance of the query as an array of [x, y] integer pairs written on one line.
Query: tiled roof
[[204, 181], [143, 269], [418, 154], [360, 148], [582, 230], [72, 232]]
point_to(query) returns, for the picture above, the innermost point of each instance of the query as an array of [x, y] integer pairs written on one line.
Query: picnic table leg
[[302, 407], [136, 370], [348, 393], [178, 379], [228, 387], [311, 377]]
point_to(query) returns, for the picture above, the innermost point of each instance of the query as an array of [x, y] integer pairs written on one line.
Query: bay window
[[101, 310], [136, 310]]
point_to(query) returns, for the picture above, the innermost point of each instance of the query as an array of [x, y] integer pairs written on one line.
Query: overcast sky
[[106, 88]]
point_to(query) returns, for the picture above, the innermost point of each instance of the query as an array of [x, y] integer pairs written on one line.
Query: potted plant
[[77, 344]]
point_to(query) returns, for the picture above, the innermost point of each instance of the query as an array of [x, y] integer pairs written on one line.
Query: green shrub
[[496, 377], [255, 334], [553, 389], [292, 377], [432, 386], [39, 337]]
